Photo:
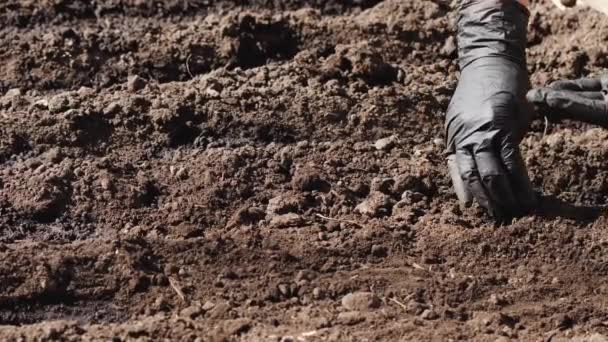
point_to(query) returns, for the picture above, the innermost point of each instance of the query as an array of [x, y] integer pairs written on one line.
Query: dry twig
[[339, 220], [188, 65], [175, 287], [403, 306], [415, 265]]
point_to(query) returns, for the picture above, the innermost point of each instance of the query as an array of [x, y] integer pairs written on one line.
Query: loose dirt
[[274, 171]]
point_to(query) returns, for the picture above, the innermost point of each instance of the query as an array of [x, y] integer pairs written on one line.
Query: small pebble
[[386, 144], [13, 92], [208, 306], [112, 108], [379, 251], [361, 301], [317, 293], [429, 314], [135, 83], [284, 289]]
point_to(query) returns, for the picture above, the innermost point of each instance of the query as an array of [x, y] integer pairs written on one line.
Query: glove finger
[[582, 84], [518, 175], [569, 105], [471, 180], [497, 184], [591, 95], [462, 192], [538, 96]]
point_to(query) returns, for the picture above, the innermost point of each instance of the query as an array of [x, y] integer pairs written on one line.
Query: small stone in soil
[[411, 196], [317, 293], [59, 103], [286, 221], [135, 83], [496, 299], [383, 185], [284, 289], [191, 311], [563, 321], [361, 301], [377, 204], [309, 180], [386, 144], [379, 251], [41, 104], [182, 173], [112, 108], [208, 305], [220, 310], [54, 155], [13, 92], [284, 205], [305, 275], [212, 93], [429, 314]]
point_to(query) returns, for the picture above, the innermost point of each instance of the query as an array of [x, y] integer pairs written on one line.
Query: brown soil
[[232, 170]]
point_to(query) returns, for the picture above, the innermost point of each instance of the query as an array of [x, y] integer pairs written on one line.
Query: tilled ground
[[274, 170]]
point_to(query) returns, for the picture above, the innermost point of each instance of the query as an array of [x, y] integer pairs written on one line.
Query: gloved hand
[[585, 99], [489, 115]]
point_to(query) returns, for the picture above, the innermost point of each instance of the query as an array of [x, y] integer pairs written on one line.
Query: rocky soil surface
[[274, 171]]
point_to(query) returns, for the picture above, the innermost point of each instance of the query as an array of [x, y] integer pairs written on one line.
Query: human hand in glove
[[585, 100], [489, 115]]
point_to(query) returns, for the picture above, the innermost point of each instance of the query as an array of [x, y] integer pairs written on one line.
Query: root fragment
[[177, 289], [339, 220], [415, 265], [403, 306], [188, 65]]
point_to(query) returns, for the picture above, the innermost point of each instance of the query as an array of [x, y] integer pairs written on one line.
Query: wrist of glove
[[583, 100], [488, 114]]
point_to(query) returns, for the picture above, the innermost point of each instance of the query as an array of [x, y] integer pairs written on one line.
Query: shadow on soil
[[551, 208]]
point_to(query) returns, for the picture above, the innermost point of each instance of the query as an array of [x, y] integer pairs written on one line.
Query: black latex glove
[[585, 99], [488, 114]]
